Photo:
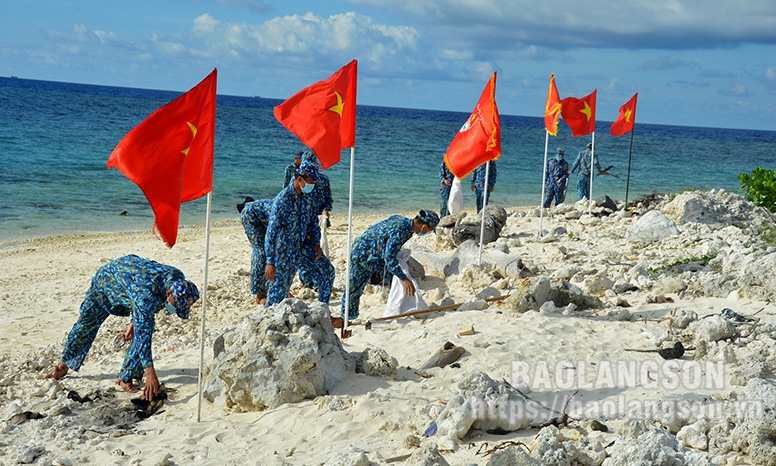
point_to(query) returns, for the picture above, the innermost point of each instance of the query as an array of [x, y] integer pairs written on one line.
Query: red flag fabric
[[626, 119], [579, 114], [170, 155], [479, 139], [323, 116], [552, 108]]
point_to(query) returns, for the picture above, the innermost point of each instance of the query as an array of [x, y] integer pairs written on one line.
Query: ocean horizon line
[[174, 93]]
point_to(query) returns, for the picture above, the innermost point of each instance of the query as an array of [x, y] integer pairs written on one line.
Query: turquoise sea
[[55, 139]]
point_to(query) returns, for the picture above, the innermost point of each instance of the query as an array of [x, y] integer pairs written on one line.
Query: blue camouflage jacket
[[445, 173], [557, 172], [138, 287], [478, 176], [583, 163], [291, 221], [380, 243]]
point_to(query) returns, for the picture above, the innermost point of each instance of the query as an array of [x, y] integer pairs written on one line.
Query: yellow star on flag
[[628, 114], [587, 111], [338, 108]]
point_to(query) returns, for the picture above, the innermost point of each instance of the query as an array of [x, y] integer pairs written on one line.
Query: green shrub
[[760, 187], [702, 260]]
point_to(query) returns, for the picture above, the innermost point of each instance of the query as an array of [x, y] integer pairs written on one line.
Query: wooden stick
[[433, 309]]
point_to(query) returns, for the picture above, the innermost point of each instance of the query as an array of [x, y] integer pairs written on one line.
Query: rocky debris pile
[[291, 344], [469, 228]]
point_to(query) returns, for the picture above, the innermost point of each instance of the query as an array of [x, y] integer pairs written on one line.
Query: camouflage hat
[[309, 157], [184, 294], [560, 151], [308, 170], [429, 217]]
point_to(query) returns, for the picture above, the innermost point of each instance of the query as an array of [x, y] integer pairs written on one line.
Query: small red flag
[[479, 139], [552, 108], [627, 118], [579, 114], [323, 116], [169, 155]]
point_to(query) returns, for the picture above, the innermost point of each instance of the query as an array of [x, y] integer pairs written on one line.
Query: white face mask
[[170, 308], [308, 187]]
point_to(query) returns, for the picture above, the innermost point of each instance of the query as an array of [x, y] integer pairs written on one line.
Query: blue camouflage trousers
[[255, 231], [583, 187], [478, 193], [279, 287], [556, 192], [94, 310], [317, 274], [444, 196], [360, 273]]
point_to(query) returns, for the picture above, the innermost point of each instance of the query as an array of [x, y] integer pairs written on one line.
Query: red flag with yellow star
[[579, 114], [627, 117], [169, 155], [479, 139], [323, 116], [552, 108]]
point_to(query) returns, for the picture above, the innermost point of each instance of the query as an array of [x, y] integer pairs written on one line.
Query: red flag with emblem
[[579, 114], [627, 117], [479, 139], [169, 155], [323, 116], [552, 108]]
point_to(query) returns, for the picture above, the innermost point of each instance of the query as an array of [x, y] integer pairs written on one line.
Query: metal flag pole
[[627, 182], [350, 234], [544, 181], [204, 308], [590, 193], [482, 212]]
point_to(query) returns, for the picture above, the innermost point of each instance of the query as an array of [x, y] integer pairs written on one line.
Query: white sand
[[43, 281]]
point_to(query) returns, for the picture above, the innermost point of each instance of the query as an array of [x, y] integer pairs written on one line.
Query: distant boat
[[14, 77]]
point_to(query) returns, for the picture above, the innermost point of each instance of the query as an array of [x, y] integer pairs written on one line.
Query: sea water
[[55, 139]]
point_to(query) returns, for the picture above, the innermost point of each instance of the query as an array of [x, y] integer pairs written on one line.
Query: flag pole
[[627, 182], [350, 234], [204, 307], [482, 212], [544, 181], [592, 159]]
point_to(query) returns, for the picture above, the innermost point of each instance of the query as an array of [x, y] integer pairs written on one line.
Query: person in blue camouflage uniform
[[255, 219], [583, 178], [445, 182], [128, 286], [557, 178], [478, 182], [376, 249], [292, 222], [317, 274], [291, 169]]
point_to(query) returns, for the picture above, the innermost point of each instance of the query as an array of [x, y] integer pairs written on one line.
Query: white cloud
[[636, 24], [304, 37]]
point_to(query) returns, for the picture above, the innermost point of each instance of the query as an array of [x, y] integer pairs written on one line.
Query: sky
[[708, 63]]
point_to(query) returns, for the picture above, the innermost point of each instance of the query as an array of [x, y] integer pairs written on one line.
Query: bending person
[[128, 286], [255, 218], [376, 249]]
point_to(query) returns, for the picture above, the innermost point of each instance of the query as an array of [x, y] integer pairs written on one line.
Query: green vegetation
[[760, 187], [768, 234], [702, 260]]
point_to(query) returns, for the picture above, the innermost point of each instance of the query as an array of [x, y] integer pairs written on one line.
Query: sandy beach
[[653, 292]]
